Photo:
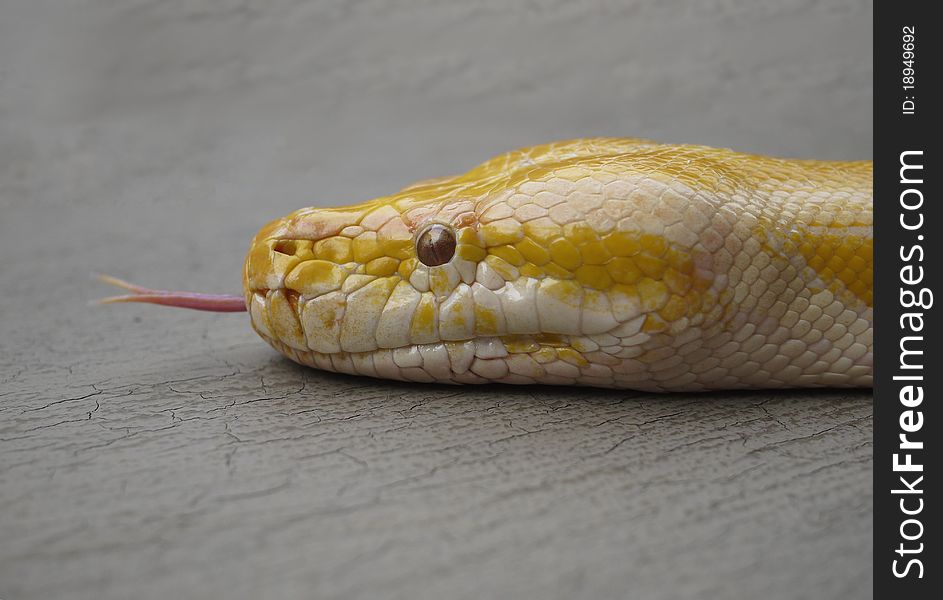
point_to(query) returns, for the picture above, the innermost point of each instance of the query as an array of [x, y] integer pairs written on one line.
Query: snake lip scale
[[608, 262]]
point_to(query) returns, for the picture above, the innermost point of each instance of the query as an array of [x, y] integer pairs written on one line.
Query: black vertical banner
[[908, 167]]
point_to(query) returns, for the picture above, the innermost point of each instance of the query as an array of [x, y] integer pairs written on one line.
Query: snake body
[[619, 263]]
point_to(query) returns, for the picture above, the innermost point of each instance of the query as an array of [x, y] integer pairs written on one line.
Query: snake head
[[515, 271]]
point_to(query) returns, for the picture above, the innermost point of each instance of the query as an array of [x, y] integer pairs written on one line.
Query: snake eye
[[436, 245]]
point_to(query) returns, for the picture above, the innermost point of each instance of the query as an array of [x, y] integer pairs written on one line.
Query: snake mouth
[[345, 322]]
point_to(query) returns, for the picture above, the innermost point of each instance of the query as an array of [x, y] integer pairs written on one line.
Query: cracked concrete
[[151, 453]]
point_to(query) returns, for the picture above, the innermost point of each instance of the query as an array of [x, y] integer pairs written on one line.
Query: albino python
[[604, 262]]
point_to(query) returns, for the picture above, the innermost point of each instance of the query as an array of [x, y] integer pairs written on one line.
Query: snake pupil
[[436, 246]]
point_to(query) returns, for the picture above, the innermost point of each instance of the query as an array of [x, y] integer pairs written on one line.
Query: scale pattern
[[604, 262]]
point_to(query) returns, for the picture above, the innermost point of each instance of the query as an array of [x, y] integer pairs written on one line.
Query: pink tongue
[[194, 300]]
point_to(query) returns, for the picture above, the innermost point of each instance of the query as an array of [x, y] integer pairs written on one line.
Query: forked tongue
[[194, 300]]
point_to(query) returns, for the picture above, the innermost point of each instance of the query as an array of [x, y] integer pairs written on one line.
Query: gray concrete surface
[[151, 453]]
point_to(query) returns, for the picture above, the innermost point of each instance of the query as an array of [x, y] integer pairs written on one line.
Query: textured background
[[152, 453]]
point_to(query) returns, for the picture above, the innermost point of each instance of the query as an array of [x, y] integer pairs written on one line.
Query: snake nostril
[[436, 245], [286, 247]]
